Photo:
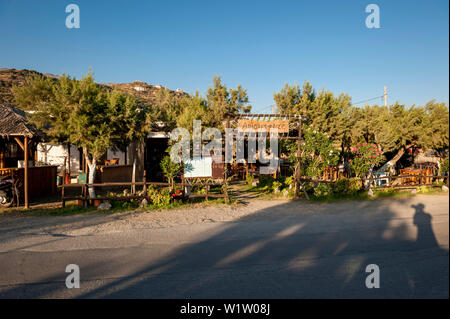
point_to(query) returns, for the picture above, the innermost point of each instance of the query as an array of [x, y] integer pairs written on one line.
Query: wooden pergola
[[14, 126], [294, 123]]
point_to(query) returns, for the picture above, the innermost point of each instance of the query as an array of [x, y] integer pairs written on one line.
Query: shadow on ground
[[302, 256]]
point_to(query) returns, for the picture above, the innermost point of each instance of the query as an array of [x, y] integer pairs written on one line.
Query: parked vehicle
[[8, 191]]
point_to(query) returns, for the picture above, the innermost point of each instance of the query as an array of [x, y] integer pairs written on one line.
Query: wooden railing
[[85, 198], [419, 178]]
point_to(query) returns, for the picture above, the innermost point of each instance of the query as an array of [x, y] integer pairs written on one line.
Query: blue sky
[[260, 44]]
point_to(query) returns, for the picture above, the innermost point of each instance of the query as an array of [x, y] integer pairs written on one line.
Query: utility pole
[[385, 96]]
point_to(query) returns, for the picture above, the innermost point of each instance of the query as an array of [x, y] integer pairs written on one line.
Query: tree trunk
[[391, 163], [91, 173], [92, 165]]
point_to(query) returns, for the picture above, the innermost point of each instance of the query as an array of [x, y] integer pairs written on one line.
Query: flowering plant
[[318, 152], [159, 197], [364, 156], [177, 193]]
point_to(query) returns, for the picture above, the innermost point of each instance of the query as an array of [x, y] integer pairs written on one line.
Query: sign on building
[[198, 168], [281, 125], [203, 167]]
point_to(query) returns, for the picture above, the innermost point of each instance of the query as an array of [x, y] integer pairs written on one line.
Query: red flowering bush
[[364, 156], [177, 193], [159, 197]]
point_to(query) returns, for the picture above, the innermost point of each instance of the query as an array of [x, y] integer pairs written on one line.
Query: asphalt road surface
[[265, 249]]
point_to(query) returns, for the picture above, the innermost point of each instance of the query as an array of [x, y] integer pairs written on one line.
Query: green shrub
[[250, 178], [385, 192], [289, 181], [355, 185], [276, 185], [309, 187], [266, 180], [170, 169], [424, 190], [323, 190], [444, 166], [199, 189], [346, 186], [341, 186]]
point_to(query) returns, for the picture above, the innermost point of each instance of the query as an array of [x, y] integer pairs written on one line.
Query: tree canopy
[[83, 114], [96, 118], [393, 128]]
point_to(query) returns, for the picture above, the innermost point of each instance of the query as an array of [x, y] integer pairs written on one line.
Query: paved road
[[280, 250]]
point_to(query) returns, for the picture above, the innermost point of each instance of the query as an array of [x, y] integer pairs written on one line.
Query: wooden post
[[225, 165], [207, 190], [68, 155], [297, 172], [371, 181], [27, 204], [64, 170], [82, 195], [63, 201], [133, 178], [182, 179], [85, 199], [226, 196], [63, 182], [144, 179], [2, 158]]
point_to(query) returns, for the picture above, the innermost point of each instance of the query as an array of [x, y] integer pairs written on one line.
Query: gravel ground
[[252, 210]]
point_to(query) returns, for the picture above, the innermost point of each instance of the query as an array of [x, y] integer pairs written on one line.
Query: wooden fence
[[419, 180], [41, 180], [84, 197]]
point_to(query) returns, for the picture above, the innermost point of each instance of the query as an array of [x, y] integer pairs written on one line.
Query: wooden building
[[18, 155]]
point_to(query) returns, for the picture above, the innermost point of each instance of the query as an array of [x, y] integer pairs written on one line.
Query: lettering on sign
[[281, 125]]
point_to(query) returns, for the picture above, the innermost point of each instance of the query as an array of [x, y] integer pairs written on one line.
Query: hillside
[[145, 94], [10, 78]]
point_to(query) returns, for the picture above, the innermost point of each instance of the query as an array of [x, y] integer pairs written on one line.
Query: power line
[[267, 107], [359, 102], [374, 98], [393, 99]]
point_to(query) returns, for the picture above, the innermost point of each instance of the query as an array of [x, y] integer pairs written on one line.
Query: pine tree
[[222, 102]]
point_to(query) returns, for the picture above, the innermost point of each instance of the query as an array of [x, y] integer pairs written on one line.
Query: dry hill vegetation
[[145, 94]]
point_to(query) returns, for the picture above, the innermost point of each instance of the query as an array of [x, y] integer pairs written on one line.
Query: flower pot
[[97, 202]]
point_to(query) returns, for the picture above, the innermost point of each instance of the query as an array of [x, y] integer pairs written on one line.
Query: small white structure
[[139, 88], [54, 154], [198, 167]]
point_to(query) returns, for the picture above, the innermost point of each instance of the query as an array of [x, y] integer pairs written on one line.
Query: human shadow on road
[[422, 220]]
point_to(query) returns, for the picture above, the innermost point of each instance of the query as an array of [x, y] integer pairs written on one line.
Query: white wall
[[54, 154]]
